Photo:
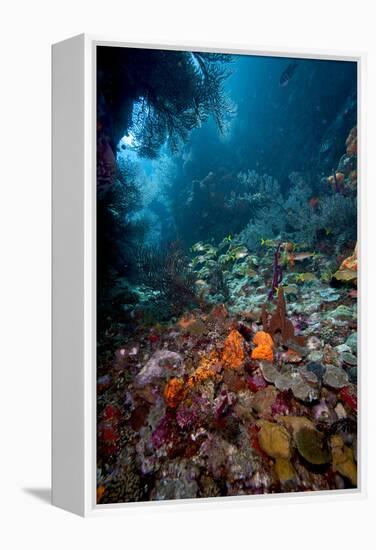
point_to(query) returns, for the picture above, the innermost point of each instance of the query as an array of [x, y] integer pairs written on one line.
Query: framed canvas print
[[206, 240]]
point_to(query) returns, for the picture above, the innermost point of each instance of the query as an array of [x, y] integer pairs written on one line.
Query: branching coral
[[254, 191], [231, 199], [117, 241], [276, 216], [167, 271], [161, 96], [293, 218]]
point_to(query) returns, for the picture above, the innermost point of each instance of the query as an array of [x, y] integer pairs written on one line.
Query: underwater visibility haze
[[226, 274]]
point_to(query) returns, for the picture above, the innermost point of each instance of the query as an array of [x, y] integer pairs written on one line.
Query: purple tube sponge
[[277, 273]]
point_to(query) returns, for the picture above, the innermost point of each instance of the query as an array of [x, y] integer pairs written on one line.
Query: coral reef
[[239, 396], [293, 219], [210, 416], [344, 178], [227, 357]]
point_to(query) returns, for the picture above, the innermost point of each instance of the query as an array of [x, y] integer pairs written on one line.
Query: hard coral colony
[[227, 275]]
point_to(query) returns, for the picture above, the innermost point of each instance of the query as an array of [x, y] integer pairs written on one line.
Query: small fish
[[198, 247], [328, 231], [269, 242], [290, 289], [300, 256], [223, 259], [200, 283], [345, 275], [287, 74], [227, 240], [305, 277], [199, 260], [239, 252], [208, 249]]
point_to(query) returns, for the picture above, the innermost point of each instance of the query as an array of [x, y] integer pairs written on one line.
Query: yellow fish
[[305, 277], [269, 242]]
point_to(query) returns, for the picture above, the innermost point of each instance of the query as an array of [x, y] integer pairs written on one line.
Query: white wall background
[[27, 30]]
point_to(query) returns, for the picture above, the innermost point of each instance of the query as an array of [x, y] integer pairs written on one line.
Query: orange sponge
[[233, 352], [264, 346], [174, 392]]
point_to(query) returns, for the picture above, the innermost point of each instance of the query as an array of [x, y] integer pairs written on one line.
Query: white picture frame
[[74, 279]]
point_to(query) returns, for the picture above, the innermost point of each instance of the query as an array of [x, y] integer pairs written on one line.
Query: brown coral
[[233, 353], [264, 346], [175, 392], [278, 324], [189, 324], [219, 312]]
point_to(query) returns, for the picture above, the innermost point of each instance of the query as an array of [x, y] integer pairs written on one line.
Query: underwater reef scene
[[226, 275]]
